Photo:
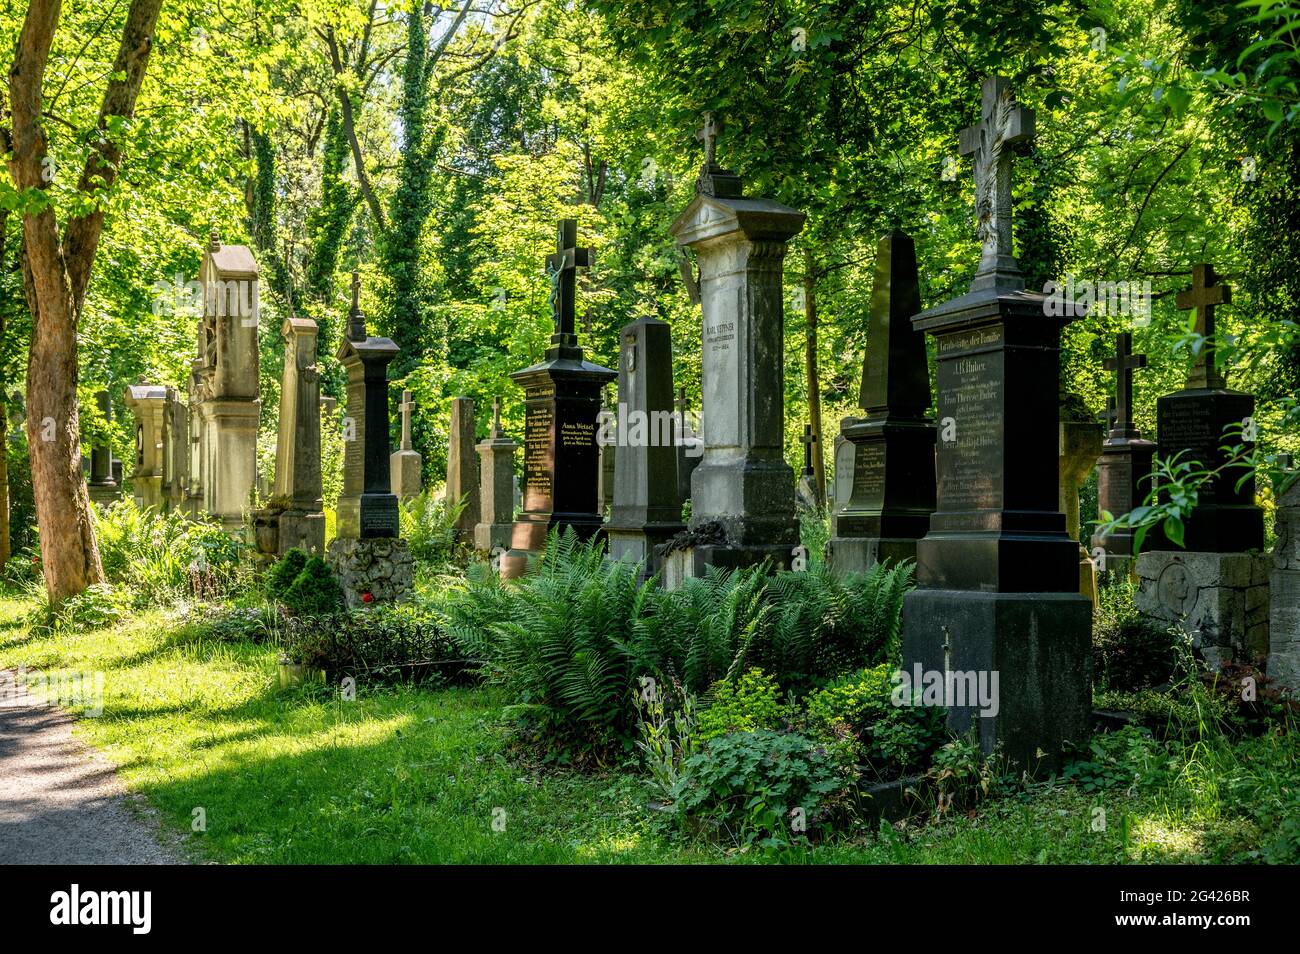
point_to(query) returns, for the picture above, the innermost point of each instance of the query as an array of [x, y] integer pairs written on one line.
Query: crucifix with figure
[[356, 320], [1206, 292], [562, 266], [1003, 122], [1124, 364], [713, 179]]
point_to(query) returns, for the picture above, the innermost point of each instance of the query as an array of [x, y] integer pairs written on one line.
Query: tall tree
[[57, 262]]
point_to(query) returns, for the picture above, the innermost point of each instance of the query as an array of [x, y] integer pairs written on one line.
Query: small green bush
[[235, 624], [429, 528], [1129, 652], [283, 572], [751, 701], [98, 605], [389, 643], [314, 591]]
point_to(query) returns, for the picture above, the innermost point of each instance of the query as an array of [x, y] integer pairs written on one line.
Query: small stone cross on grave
[[1124, 364], [562, 267], [808, 440], [1203, 296], [406, 407], [356, 320]]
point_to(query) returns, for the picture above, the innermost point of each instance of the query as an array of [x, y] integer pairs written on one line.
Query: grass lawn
[[412, 775]]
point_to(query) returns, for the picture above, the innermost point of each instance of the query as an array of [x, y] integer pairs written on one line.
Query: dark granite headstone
[[997, 574], [891, 481], [561, 408]]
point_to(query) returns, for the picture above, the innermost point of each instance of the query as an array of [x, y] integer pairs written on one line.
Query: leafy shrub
[[232, 624], [667, 739], [1124, 758], [960, 774], [314, 591], [283, 572], [751, 701], [1129, 652], [399, 642], [429, 527], [98, 605], [764, 787]]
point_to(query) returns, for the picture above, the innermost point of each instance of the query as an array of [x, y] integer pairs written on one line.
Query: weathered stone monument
[[1078, 448], [462, 469], [884, 470], [405, 463], [1124, 471], [742, 492], [997, 606], [1284, 616], [294, 516], [177, 492], [690, 448], [608, 458], [223, 384], [372, 563], [646, 510], [102, 487], [1216, 584], [148, 404], [561, 408], [496, 488]]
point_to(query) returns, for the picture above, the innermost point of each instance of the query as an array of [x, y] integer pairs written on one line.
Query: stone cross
[[1203, 296], [713, 179], [496, 418], [406, 407], [1124, 364], [708, 135], [1002, 123], [356, 320], [562, 266], [808, 440]]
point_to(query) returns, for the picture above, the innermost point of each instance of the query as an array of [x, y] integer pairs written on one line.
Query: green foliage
[[748, 702], [99, 605], [314, 591], [390, 643], [1126, 758], [283, 572], [429, 528], [763, 788], [1129, 651], [233, 624], [667, 737]]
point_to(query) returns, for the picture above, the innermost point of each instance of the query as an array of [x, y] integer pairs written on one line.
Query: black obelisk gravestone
[[561, 408], [893, 482], [997, 603], [1124, 469]]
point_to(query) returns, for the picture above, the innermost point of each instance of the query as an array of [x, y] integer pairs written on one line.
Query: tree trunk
[[810, 366], [56, 272], [6, 542]]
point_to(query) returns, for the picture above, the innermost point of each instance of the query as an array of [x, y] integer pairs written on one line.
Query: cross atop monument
[[1003, 122], [1203, 296], [715, 180], [708, 135], [496, 417], [1124, 364], [808, 440], [406, 407], [562, 267], [356, 320]]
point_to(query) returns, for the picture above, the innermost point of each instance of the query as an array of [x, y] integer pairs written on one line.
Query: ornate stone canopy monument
[[496, 488], [561, 408], [886, 462], [147, 403], [997, 574], [294, 516], [372, 563], [647, 510], [1216, 585], [742, 492], [223, 384], [405, 464], [1124, 471]]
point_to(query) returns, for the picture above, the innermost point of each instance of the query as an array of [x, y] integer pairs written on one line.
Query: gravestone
[[608, 458], [1284, 616], [884, 470], [1124, 471], [646, 510], [1216, 585], [405, 464], [147, 402], [690, 448], [224, 383], [742, 492], [294, 515], [102, 487], [1079, 447], [371, 561], [176, 465], [997, 574], [496, 488], [561, 409], [462, 469], [805, 494]]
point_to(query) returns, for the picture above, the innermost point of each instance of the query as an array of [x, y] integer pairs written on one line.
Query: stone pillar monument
[[884, 470], [1079, 446], [462, 469], [294, 516], [176, 467], [496, 489], [147, 402], [223, 384], [742, 492], [372, 562], [997, 575], [405, 465]]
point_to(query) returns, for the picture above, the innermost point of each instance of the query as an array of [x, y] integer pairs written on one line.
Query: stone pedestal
[[147, 403], [743, 487], [405, 465], [496, 491], [1221, 600], [462, 469], [889, 477], [1080, 445], [646, 510], [1123, 482], [1284, 617]]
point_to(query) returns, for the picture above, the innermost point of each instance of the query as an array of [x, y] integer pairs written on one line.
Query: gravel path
[[62, 803]]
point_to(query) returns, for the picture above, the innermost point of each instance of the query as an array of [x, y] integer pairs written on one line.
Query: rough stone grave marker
[[462, 469]]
